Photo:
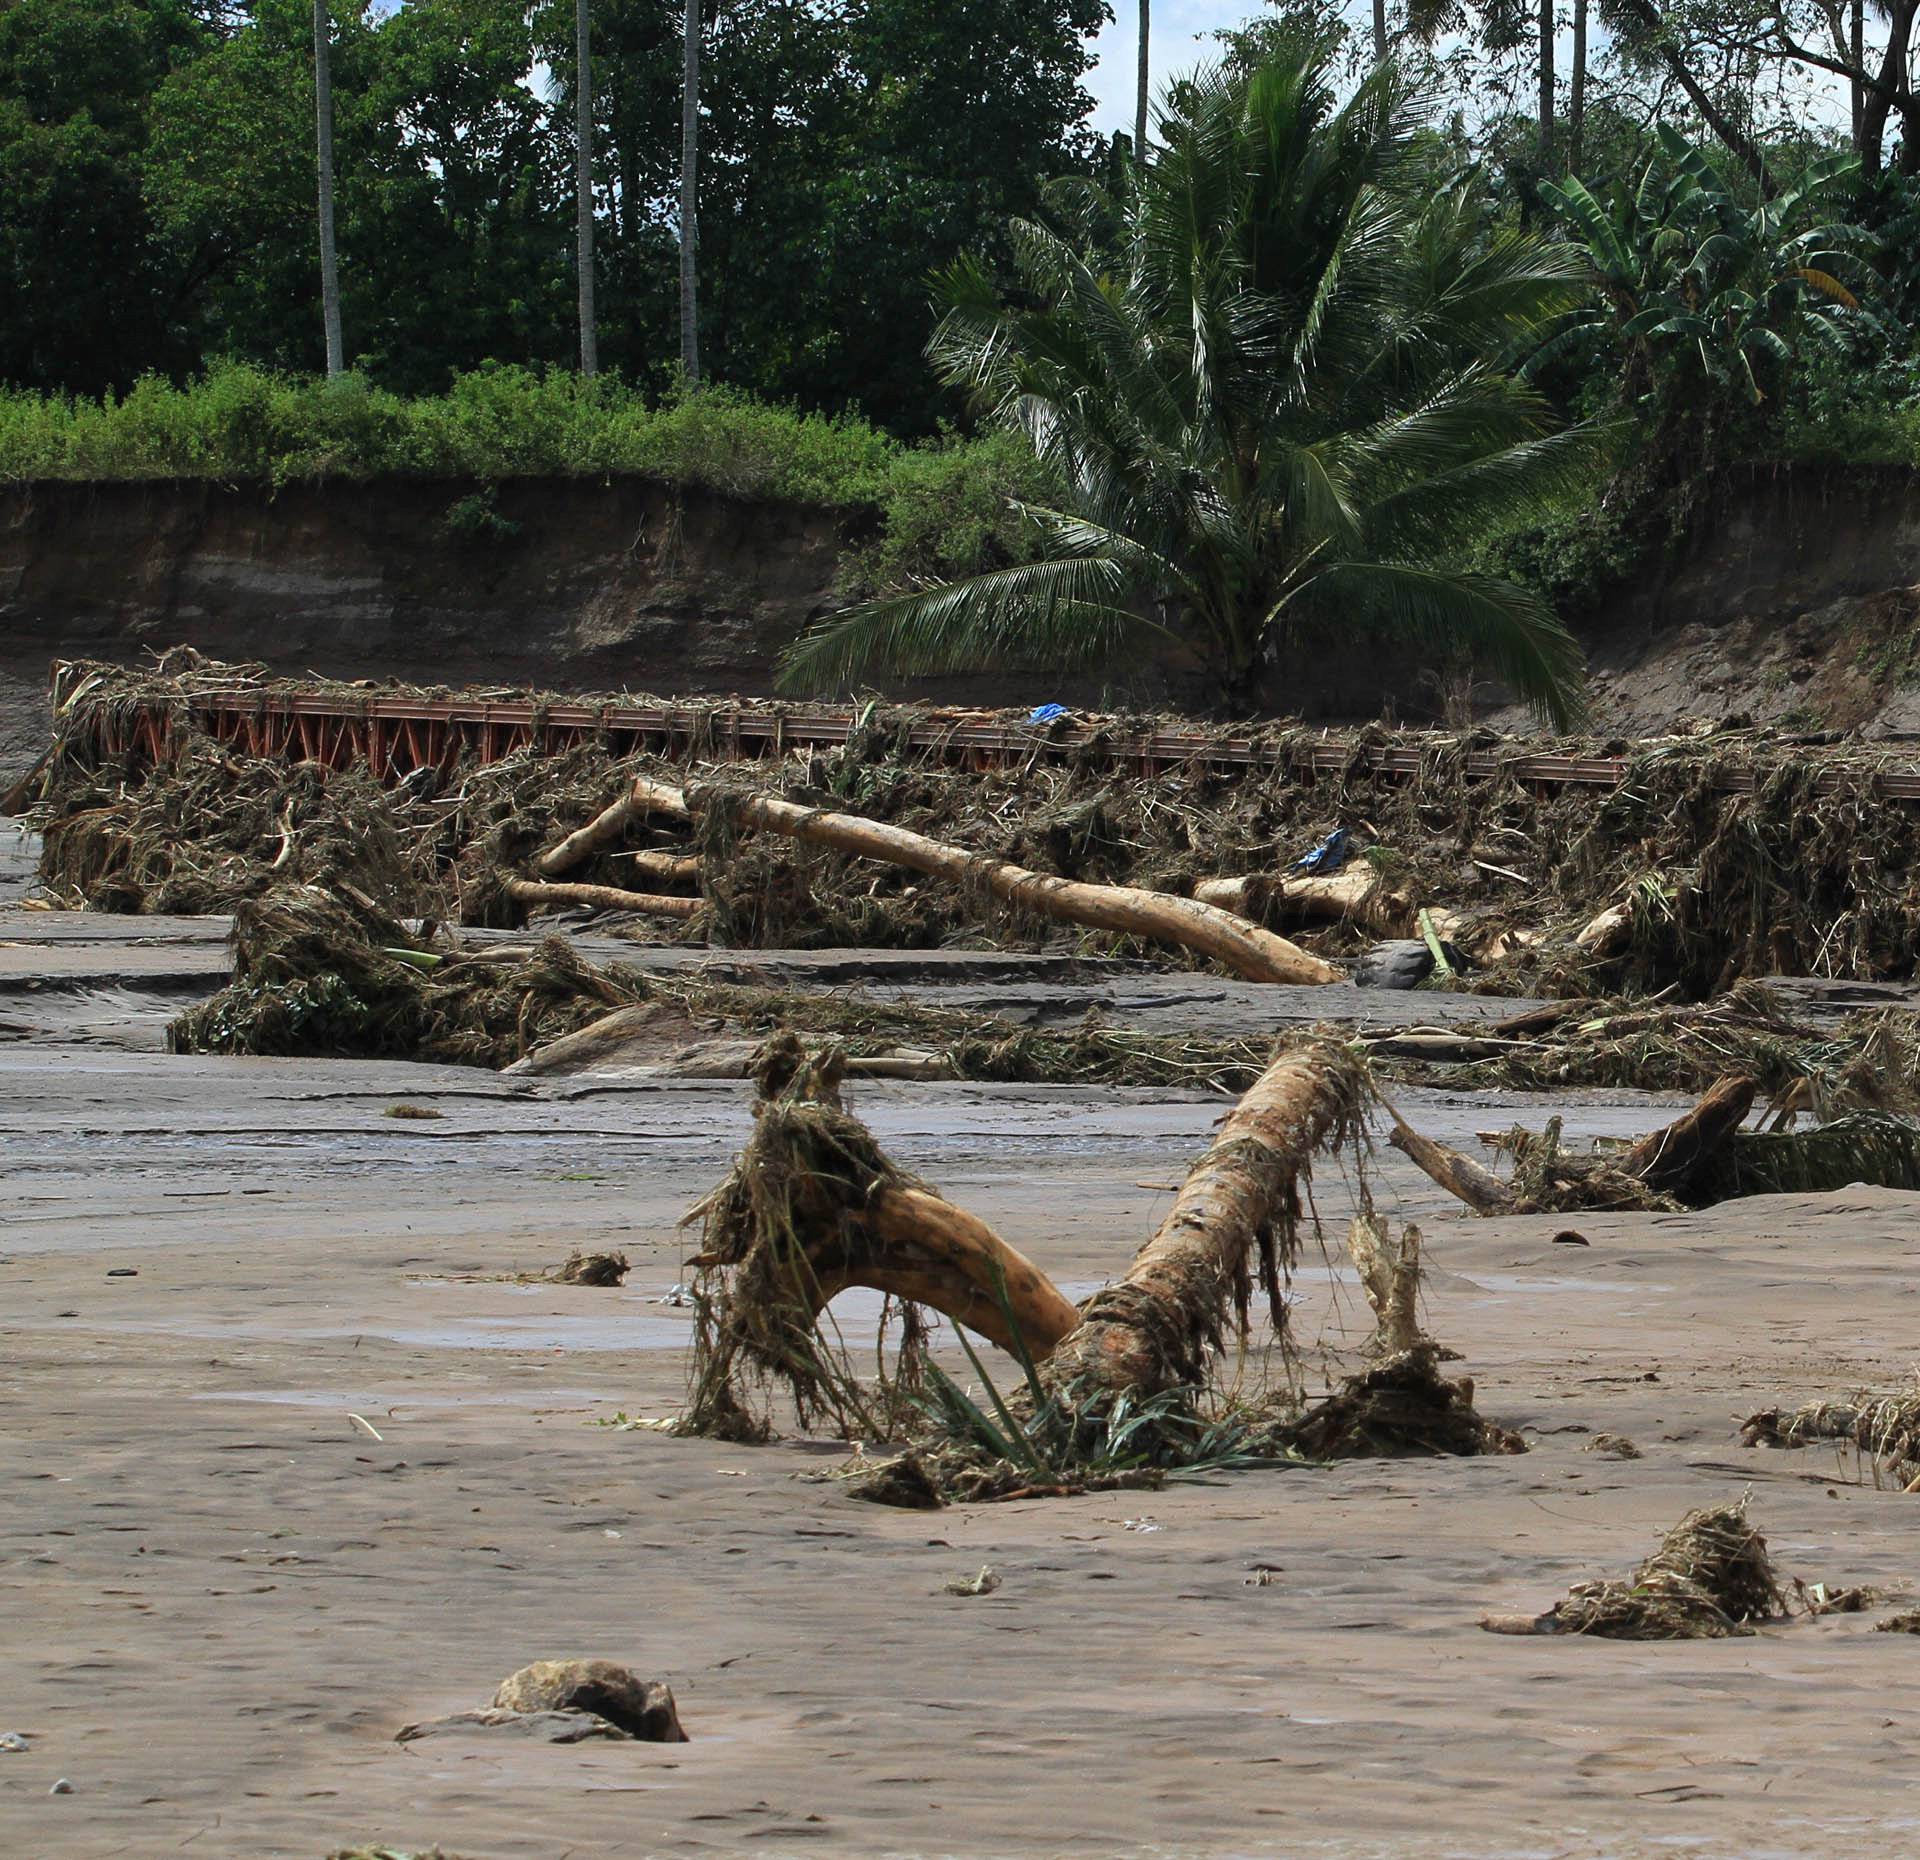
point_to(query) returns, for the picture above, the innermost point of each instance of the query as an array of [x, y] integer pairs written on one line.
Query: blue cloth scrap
[[1048, 713], [1326, 858]]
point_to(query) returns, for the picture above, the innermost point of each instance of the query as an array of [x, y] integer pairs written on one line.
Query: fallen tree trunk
[[1361, 896], [655, 862], [533, 891], [1249, 951], [1240, 1203], [1479, 1188], [927, 1243], [583, 842], [1667, 1157]]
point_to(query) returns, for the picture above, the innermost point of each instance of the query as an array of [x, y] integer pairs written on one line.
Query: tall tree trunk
[[1858, 50], [627, 138], [1143, 93], [583, 185], [1900, 22], [1890, 92], [690, 196], [1379, 28], [323, 138], [1547, 25], [1577, 94]]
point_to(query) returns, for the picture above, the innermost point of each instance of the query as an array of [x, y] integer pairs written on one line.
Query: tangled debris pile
[[567, 1702], [1870, 1061], [319, 972], [1701, 1158], [1400, 1408], [1717, 859], [1711, 1577], [1112, 1389], [1884, 1428]]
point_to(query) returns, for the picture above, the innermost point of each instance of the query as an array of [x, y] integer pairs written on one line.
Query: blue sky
[[1182, 32]]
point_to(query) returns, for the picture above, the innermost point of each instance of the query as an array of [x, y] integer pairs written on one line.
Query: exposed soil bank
[[609, 582], [1790, 600], [566, 583]]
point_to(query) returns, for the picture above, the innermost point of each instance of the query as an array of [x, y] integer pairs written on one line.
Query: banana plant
[[1699, 285]]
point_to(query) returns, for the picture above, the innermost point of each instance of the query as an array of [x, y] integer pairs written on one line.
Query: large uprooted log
[[813, 1206], [1243, 947], [1359, 896], [1240, 1204]]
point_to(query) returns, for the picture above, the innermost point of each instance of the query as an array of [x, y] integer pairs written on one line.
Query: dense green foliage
[[1751, 288], [1264, 377], [1710, 305], [942, 506], [157, 181]]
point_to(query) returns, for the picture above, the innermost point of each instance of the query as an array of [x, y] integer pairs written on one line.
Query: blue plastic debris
[[1047, 713], [1326, 858]]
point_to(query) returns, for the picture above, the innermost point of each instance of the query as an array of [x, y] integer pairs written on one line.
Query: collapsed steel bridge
[[395, 736]]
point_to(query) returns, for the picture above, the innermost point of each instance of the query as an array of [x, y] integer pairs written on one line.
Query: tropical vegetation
[[1459, 319], [1269, 378]]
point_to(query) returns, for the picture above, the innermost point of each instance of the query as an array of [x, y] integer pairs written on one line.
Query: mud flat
[[221, 1595]]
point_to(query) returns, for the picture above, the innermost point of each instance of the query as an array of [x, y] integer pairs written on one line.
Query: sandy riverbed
[[220, 1597]]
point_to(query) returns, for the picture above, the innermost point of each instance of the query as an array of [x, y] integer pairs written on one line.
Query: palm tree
[[583, 185], [1275, 409], [323, 151]]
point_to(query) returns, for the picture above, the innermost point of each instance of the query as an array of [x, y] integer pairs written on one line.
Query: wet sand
[[220, 1596]]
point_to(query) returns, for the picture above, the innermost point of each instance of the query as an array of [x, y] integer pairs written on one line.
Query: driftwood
[[926, 1249], [583, 842], [1478, 1187], [1361, 896], [534, 891], [1609, 933], [1243, 947], [1668, 1157], [1240, 1204], [1390, 1276], [1664, 1168], [1443, 1046]]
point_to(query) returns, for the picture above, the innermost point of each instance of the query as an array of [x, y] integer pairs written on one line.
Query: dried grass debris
[[1884, 1429], [1711, 1577], [591, 1269], [329, 973], [1401, 1408]]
